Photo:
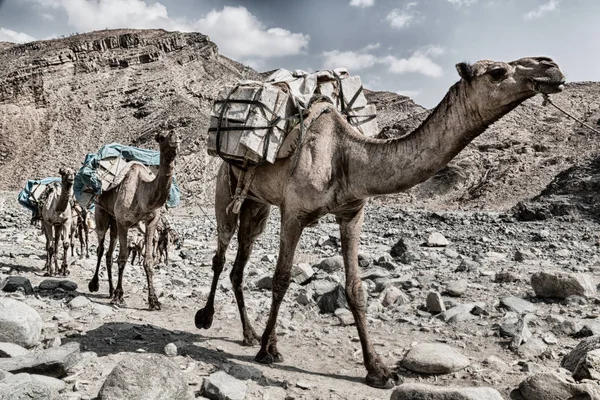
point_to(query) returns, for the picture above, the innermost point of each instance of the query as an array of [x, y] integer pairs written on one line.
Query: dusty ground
[[322, 359]]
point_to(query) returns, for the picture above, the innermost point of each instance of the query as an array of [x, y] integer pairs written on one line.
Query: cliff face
[[61, 99]]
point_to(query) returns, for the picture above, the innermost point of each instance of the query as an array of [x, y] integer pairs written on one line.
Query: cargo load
[[249, 121], [29, 196]]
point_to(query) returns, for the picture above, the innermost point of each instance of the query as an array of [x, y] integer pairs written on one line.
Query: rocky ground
[[451, 302]]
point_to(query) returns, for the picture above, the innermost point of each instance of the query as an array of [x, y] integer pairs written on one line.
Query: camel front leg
[[47, 228], [122, 231], [66, 231], [378, 375], [291, 229], [57, 231], [149, 259]]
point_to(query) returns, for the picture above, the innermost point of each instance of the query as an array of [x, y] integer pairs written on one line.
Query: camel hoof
[[265, 358], [93, 286], [383, 380], [154, 304], [251, 340], [204, 318], [119, 302]]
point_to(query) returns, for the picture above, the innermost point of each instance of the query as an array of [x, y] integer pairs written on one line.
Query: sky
[[408, 47]]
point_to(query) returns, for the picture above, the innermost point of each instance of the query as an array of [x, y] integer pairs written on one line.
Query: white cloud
[[551, 5], [362, 3], [348, 59], [399, 19], [240, 34], [421, 61], [8, 35], [371, 46], [237, 32], [460, 3]]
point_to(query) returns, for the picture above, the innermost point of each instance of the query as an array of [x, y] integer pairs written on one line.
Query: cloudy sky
[[409, 47]]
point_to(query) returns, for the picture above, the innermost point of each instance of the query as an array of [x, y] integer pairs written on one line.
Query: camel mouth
[[548, 86]]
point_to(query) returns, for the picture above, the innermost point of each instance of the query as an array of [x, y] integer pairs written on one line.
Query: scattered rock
[[145, 377], [302, 273], [171, 350], [551, 386], [436, 239], [54, 361], [221, 386], [265, 282], [49, 284], [344, 316], [421, 391], [434, 358], [588, 367], [562, 284], [457, 288], [24, 387], [12, 350], [506, 277], [435, 303], [14, 283], [67, 285], [333, 300], [19, 323], [331, 264], [80, 302], [393, 295], [571, 360], [518, 305]]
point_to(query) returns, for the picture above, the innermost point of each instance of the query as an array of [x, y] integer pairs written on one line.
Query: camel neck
[[391, 166], [65, 196], [160, 186]]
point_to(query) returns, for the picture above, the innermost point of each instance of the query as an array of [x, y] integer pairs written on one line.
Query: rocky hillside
[[63, 98]]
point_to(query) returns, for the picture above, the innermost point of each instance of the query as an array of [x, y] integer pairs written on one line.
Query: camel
[[139, 197], [56, 221], [338, 169], [79, 228]]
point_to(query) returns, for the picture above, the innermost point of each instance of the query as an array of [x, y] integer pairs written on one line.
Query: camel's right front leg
[[47, 228], [153, 302], [291, 229], [226, 226], [122, 231], [57, 231]]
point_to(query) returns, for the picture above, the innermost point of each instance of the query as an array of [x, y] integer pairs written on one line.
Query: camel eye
[[497, 72]]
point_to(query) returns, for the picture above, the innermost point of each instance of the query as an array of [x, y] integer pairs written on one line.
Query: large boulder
[[560, 285], [421, 391], [551, 386], [434, 358], [26, 387], [221, 386], [145, 377], [19, 323], [54, 361], [14, 283], [571, 360]]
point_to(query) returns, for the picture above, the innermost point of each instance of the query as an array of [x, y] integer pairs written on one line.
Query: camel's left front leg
[[50, 250], [153, 302], [122, 231], [378, 375], [57, 232], [291, 229], [66, 234]]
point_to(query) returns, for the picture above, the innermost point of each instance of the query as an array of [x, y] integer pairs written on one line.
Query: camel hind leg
[[226, 226], [253, 219]]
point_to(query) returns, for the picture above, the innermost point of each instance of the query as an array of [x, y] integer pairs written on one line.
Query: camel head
[[168, 142], [67, 175], [497, 85]]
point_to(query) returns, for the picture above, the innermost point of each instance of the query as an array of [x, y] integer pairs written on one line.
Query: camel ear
[[159, 137], [465, 71]]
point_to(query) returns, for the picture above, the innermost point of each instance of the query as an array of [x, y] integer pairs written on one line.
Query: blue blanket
[[26, 194], [87, 184]]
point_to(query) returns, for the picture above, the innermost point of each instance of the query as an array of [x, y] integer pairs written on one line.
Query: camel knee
[[236, 278], [355, 295]]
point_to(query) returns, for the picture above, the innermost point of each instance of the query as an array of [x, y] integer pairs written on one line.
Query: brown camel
[[80, 229], [338, 170], [56, 221], [139, 197]]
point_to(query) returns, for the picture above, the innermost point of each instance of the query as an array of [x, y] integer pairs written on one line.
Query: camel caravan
[[302, 142]]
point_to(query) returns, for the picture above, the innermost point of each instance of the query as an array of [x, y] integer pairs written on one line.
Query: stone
[[534, 347], [571, 360], [506, 277], [562, 284], [434, 358], [221, 386], [79, 302], [588, 367], [56, 385], [421, 391], [67, 285], [435, 303], [244, 372], [496, 363], [12, 350], [467, 266], [14, 283], [460, 313], [333, 300], [19, 323], [524, 255], [344, 316], [518, 305], [54, 361], [400, 247], [145, 376], [305, 296], [302, 273], [49, 284], [24, 387], [393, 295], [331, 264], [374, 273], [436, 239], [457, 288], [171, 350], [265, 282], [551, 386]]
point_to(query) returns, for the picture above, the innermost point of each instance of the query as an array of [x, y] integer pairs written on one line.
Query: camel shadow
[[17, 268], [116, 337]]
